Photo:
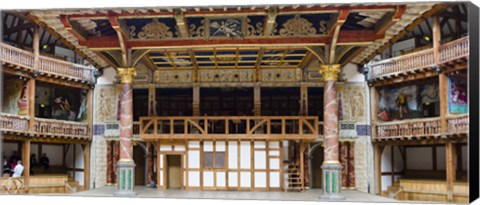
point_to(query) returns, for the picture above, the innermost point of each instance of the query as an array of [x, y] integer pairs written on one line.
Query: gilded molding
[[330, 72], [126, 75]]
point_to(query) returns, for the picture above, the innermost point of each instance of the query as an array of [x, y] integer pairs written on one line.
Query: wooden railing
[[409, 128], [414, 62], [454, 50], [230, 127], [458, 124], [46, 65], [60, 127], [406, 63], [13, 123], [136, 128]]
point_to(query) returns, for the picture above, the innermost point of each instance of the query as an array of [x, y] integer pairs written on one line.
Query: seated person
[[44, 161], [18, 170], [5, 168]]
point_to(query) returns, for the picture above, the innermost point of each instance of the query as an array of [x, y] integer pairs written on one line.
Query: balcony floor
[[308, 195]]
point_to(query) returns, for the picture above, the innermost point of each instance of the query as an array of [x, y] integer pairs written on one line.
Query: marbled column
[[126, 165], [332, 176], [351, 164], [343, 162], [116, 158], [109, 162], [150, 150], [126, 122]]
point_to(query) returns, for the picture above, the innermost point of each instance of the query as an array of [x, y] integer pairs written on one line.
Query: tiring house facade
[[369, 97]]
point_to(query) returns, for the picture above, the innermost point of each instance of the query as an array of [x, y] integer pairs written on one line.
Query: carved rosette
[[126, 75], [330, 72]]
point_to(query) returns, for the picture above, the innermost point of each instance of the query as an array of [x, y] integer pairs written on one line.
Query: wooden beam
[[26, 165], [348, 37], [342, 17], [31, 103], [378, 169], [122, 40], [405, 31], [390, 19], [450, 169], [17, 28], [74, 30], [86, 166]]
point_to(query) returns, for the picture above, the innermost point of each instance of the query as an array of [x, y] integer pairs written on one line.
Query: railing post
[[31, 104], [36, 47]]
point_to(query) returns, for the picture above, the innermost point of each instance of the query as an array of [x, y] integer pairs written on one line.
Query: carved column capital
[[330, 72], [126, 74]]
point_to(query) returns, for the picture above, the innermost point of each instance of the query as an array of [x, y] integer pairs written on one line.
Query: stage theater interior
[[334, 101]]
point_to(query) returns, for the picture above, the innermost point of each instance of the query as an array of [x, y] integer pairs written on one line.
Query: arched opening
[[316, 160]]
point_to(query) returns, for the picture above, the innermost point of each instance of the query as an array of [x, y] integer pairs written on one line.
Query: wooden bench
[[431, 190]]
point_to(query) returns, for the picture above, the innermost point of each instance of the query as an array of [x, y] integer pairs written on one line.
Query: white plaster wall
[[194, 178], [274, 179], [260, 179], [245, 155], [208, 178], [245, 179], [221, 179], [193, 159], [232, 155], [419, 158], [232, 179], [54, 154], [351, 74], [108, 76]]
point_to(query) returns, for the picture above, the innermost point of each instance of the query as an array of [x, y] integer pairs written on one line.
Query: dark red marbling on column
[[351, 164], [116, 147], [343, 162], [126, 123], [330, 121], [109, 162]]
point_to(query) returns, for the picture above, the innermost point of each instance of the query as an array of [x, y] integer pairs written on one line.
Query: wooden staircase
[[294, 178], [72, 186], [393, 191]]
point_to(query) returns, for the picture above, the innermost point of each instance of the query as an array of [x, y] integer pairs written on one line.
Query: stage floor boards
[[308, 195]]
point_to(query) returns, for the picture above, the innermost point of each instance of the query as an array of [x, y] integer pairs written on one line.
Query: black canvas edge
[[473, 92]]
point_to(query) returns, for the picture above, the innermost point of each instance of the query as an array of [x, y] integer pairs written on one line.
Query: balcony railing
[[61, 128], [10, 123], [427, 127], [454, 50], [409, 128], [46, 65], [13, 123], [234, 127], [458, 124], [417, 61]]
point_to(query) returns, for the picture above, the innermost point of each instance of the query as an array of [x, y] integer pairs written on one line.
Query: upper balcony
[[46, 128], [419, 62], [230, 127], [424, 128], [47, 66]]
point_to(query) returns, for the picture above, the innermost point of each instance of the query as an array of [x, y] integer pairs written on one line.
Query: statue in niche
[[22, 101], [402, 104]]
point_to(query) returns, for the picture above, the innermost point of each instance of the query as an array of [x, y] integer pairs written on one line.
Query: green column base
[[126, 179], [332, 182]]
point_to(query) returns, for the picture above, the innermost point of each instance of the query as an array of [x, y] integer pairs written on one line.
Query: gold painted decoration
[[197, 31], [126, 74], [152, 30], [330, 72], [254, 30], [297, 26]]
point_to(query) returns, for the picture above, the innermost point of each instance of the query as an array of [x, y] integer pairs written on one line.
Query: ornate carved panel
[[281, 75], [353, 102], [302, 24], [106, 103], [173, 76], [240, 75], [143, 74], [163, 28]]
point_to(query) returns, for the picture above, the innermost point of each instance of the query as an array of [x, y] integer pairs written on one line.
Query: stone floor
[[308, 195]]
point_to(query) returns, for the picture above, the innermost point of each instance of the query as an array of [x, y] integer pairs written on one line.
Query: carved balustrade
[[409, 128], [454, 50], [46, 65], [417, 61], [13, 123], [458, 124], [230, 127], [61, 128]]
